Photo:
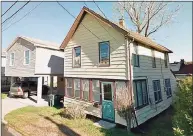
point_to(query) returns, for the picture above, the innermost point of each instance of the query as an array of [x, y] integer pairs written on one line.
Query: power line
[[23, 16], [100, 9], [9, 8], [16, 12]]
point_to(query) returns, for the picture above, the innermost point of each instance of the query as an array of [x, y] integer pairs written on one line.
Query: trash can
[[57, 99]]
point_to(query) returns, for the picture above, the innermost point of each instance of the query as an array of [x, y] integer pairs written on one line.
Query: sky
[[51, 23]]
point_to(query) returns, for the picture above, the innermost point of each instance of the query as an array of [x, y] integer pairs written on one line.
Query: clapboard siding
[[159, 73], [90, 52], [19, 69]]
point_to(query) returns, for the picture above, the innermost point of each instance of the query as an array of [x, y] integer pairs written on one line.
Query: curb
[[11, 130]]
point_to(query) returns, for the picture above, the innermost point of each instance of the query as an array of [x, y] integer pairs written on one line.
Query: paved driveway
[[10, 104]]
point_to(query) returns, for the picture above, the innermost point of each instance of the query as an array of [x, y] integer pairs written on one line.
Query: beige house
[[33, 59], [102, 58]]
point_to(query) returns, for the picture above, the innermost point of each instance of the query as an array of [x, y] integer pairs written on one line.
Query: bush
[[183, 117], [75, 111]]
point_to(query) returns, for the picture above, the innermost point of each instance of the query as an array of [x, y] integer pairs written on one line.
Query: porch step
[[105, 124]]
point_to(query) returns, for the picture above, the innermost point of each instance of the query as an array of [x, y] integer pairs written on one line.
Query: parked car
[[25, 88]]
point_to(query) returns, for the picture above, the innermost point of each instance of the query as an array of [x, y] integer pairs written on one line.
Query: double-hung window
[[77, 88], [157, 91], [77, 56], [153, 59], [136, 57], [12, 57], [26, 57], [168, 88], [69, 87], [140, 93], [166, 60], [104, 53]]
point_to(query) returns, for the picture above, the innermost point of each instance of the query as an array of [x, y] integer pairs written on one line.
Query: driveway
[[10, 104]]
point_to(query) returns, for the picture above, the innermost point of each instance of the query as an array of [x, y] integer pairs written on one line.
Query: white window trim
[[10, 59], [24, 61], [158, 91], [166, 87]]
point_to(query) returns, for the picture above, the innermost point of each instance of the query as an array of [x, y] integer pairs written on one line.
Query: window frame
[[153, 58], [24, 61], [73, 56], [166, 60], [10, 59], [74, 84], [72, 87], [104, 65], [135, 83], [158, 101], [167, 87], [136, 54]]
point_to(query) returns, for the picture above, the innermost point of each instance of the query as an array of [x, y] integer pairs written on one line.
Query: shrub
[[75, 111], [183, 117]]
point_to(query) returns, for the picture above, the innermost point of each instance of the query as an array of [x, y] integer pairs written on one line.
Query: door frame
[[112, 92]]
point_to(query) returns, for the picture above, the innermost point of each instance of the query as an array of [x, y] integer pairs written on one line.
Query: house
[[102, 58], [33, 59], [181, 69], [5, 81]]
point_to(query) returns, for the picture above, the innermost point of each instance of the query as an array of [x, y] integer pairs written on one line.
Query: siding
[[50, 62], [159, 73], [90, 52], [19, 69]]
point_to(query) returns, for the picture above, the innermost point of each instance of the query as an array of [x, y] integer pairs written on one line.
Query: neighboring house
[[103, 58], [182, 69], [34, 59], [5, 81]]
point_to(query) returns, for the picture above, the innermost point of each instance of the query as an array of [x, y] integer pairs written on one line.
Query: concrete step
[[105, 124]]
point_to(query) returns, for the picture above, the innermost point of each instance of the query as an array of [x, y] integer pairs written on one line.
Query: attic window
[[77, 56], [26, 57], [104, 54]]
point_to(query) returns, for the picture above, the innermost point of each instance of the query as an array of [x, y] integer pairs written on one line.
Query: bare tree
[[125, 105], [147, 17]]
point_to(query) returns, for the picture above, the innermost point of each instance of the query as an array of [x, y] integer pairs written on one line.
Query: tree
[[147, 17], [125, 105]]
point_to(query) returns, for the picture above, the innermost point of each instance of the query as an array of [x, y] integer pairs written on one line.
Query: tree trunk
[[128, 121]]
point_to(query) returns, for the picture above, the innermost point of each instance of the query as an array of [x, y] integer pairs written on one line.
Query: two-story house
[[33, 59], [102, 58]]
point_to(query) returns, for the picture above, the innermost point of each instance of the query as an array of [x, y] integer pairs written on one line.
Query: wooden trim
[[104, 65], [100, 93], [90, 91], [81, 90]]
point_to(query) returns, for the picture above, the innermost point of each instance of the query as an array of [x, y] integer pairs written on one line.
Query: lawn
[[47, 121], [3, 95]]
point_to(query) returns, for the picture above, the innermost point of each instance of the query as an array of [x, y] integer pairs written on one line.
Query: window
[[157, 91], [140, 93], [153, 59], [165, 60], [12, 56], [70, 92], [168, 88], [136, 57], [85, 89], [77, 56], [104, 54], [26, 57], [96, 90], [77, 88]]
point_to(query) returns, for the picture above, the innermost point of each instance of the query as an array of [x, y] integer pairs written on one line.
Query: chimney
[[122, 22], [182, 61]]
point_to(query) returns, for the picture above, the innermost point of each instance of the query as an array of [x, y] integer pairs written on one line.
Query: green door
[[108, 112]]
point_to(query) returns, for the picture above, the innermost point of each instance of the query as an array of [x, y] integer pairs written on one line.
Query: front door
[[108, 112]]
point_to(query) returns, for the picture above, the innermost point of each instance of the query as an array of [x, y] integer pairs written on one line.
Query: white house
[[5, 81], [34, 59], [102, 58]]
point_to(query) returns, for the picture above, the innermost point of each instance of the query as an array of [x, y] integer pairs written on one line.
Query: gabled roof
[[37, 43], [137, 37], [186, 68]]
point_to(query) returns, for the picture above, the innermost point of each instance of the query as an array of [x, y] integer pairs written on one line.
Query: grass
[[47, 121], [3, 95]]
